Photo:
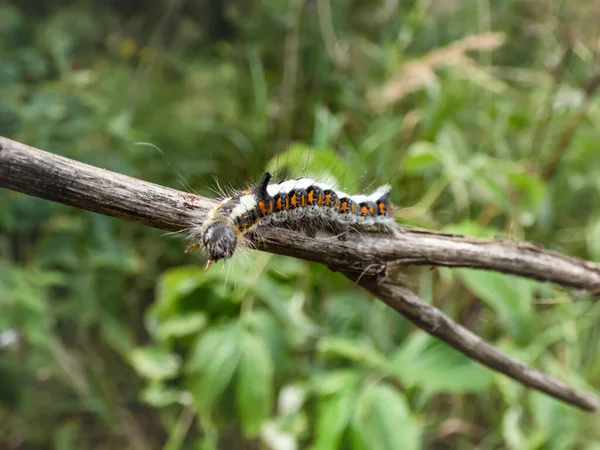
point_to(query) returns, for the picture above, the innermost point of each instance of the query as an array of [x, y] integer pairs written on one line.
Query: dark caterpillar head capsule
[[219, 240]]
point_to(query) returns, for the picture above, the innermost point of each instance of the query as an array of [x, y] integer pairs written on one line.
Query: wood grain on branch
[[52, 177]]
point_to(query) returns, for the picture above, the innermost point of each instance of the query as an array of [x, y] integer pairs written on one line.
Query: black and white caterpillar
[[302, 203]]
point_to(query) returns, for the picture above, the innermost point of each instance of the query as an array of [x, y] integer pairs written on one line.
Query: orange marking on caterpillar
[[328, 198], [363, 210], [337, 202], [303, 200], [371, 210], [311, 195], [381, 208], [294, 200], [263, 208], [279, 204], [320, 199]]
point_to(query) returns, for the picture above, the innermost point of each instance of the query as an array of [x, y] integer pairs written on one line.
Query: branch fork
[[365, 261]]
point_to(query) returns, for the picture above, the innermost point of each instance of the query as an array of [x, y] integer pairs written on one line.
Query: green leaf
[[384, 421], [181, 325], [213, 362], [558, 422], [158, 395], [333, 415], [436, 367], [175, 284], [254, 384], [154, 363], [334, 381], [420, 157], [351, 349], [264, 325], [511, 427], [532, 187], [511, 297]]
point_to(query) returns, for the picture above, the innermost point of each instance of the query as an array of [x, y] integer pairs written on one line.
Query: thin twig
[[35, 172], [436, 323]]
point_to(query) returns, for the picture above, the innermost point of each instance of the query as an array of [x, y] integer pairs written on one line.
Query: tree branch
[[35, 172], [436, 323]]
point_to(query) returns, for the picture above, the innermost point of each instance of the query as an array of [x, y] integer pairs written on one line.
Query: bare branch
[[52, 177], [436, 323], [60, 179], [63, 180]]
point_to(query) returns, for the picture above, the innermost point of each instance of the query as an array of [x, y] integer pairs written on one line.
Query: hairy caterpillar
[[302, 203]]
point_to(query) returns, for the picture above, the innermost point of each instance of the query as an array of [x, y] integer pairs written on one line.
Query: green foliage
[[154, 363], [509, 296], [212, 364], [426, 363], [112, 337], [383, 420], [254, 384]]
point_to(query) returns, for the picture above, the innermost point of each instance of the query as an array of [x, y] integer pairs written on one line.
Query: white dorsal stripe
[[380, 192], [359, 198], [303, 183], [287, 185]]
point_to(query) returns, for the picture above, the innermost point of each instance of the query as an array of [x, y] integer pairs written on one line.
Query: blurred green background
[[112, 338]]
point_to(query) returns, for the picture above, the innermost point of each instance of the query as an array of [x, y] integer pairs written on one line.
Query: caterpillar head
[[219, 240]]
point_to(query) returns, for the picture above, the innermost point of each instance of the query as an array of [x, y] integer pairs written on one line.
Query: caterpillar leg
[[193, 247]]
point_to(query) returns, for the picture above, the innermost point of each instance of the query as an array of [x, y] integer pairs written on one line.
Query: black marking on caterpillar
[[299, 204]]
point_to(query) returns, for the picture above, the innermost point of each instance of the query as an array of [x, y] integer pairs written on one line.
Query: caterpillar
[[301, 203]]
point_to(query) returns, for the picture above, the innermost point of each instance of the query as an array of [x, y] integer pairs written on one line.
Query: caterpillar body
[[301, 203]]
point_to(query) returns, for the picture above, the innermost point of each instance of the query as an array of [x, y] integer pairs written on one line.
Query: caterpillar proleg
[[301, 203]]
